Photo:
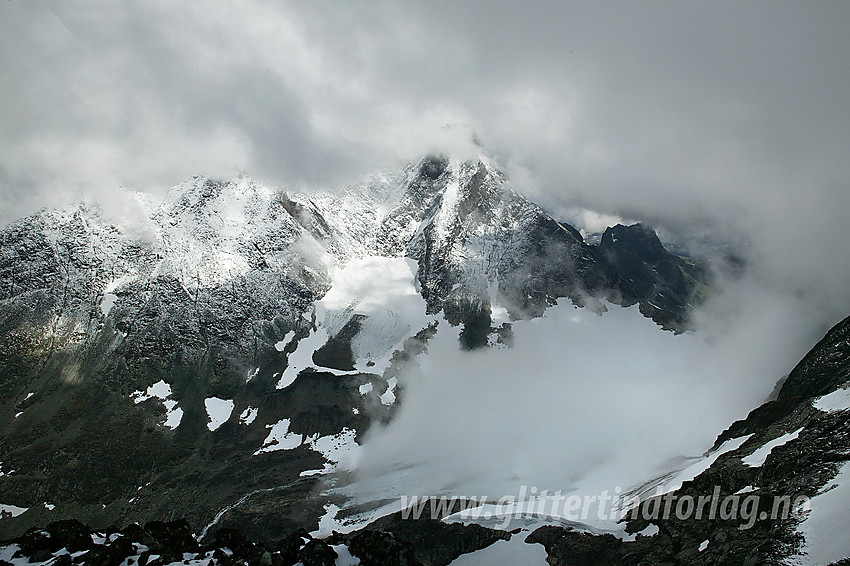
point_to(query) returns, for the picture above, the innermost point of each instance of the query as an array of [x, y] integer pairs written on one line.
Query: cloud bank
[[581, 403], [729, 115]]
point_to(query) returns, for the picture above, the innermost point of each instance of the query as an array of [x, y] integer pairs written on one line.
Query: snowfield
[[382, 290]]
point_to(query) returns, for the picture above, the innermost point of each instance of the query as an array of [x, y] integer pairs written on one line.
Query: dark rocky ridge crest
[[669, 285], [387, 542]]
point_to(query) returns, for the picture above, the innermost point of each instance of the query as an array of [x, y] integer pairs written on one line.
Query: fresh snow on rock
[[218, 410], [757, 458]]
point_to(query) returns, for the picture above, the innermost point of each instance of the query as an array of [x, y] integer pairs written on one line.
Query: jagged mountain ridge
[[209, 305]]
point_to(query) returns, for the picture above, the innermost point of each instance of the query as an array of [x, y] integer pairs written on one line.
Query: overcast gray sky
[[731, 114]]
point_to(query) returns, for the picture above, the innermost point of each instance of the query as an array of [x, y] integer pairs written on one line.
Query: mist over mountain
[[306, 358], [536, 253]]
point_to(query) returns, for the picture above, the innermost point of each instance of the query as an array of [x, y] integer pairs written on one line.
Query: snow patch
[[512, 551], [109, 297], [248, 415], [107, 303], [218, 410], [381, 291], [825, 526], [327, 522], [340, 450], [280, 438], [162, 391], [649, 531], [173, 414], [757, 458], [344, 556], [7, 552], [11, 511], [365, 388], [673, 481], [388, 397], [281, 346], [703, 545], [838, 400]]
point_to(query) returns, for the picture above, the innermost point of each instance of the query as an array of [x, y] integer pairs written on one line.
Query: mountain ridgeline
[[143, 369]]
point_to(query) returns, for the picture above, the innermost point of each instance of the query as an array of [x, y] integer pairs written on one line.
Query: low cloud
[[581, 402]]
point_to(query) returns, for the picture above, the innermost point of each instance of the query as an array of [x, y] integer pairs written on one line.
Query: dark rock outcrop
[[666, 285]]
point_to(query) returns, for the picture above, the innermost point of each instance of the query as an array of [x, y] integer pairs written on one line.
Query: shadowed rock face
[[668, 285]]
